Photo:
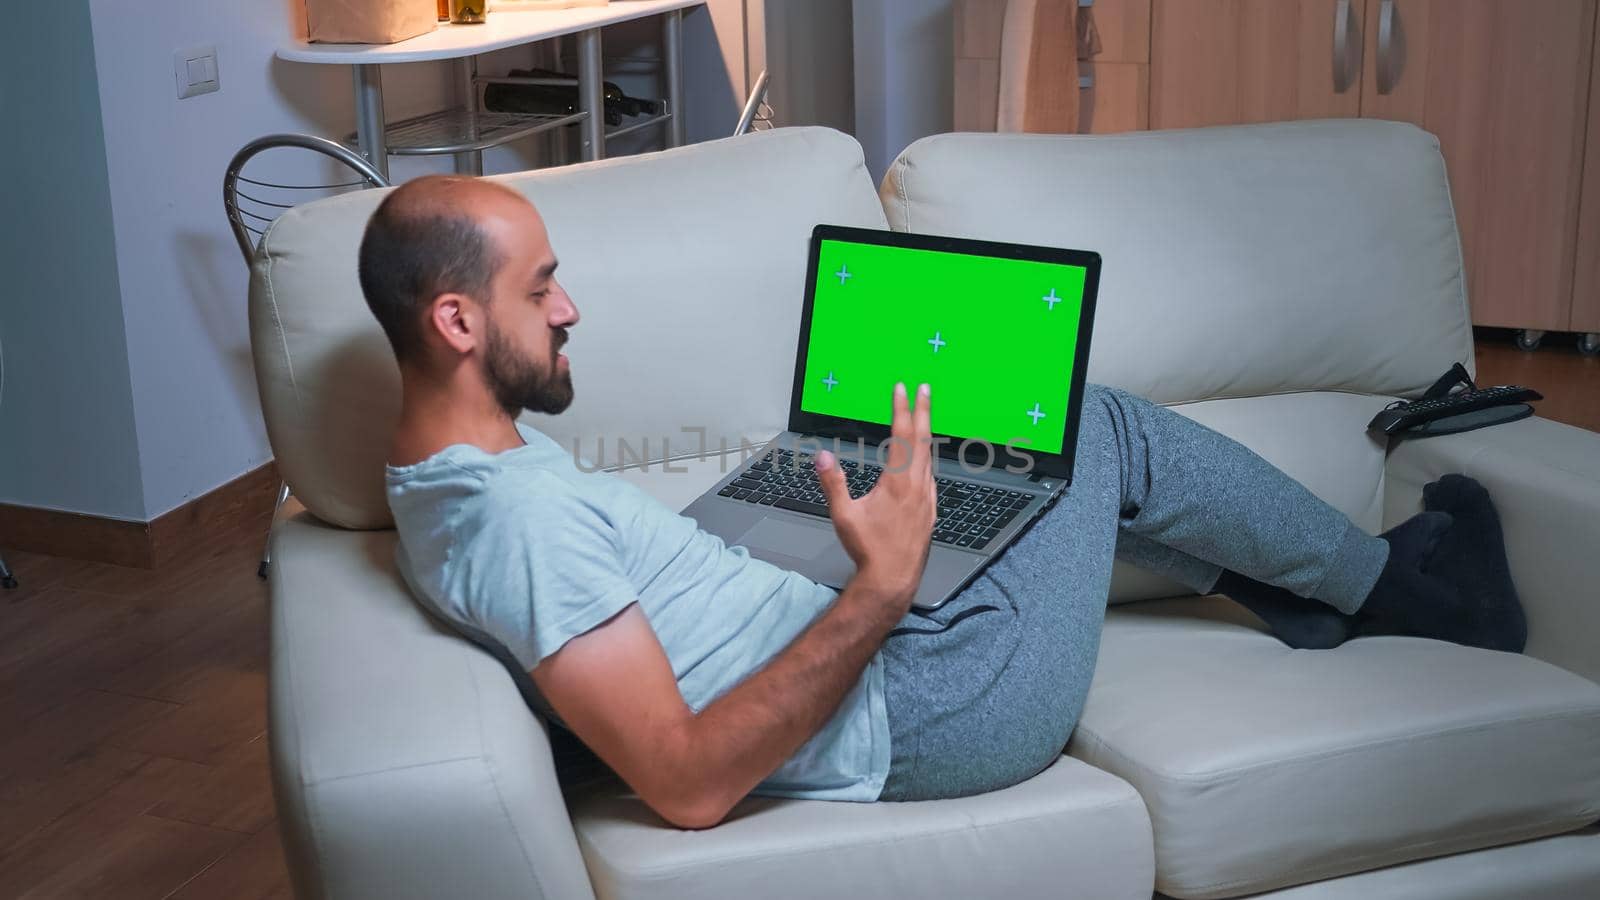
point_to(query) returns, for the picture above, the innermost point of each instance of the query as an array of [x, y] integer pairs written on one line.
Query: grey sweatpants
[[991, 699]]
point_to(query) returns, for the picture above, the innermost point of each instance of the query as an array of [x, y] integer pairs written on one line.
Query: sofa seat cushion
[[1068, 831], [1563, 867], [1265, 767]]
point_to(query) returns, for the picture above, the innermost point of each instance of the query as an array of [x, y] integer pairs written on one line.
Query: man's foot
[[1306, 624], [1472, 556], [1302, 624], [1405, 601], [1459, 590]]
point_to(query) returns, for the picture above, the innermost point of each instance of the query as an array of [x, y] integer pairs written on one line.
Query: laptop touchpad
[[795, 539]]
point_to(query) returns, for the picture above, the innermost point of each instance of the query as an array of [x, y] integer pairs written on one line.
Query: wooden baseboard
[[144, 545], [75, 535]]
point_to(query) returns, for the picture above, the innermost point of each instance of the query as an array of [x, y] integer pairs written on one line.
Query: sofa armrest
[[1544, 478], [404, 761]]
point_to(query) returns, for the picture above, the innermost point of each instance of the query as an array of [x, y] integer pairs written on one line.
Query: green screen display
[[993, 338]]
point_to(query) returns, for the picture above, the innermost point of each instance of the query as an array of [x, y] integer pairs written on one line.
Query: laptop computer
[[1000, 333]]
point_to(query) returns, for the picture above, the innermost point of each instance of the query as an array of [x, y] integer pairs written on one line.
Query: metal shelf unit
[[467, 130], [462, 130], [664, 118]]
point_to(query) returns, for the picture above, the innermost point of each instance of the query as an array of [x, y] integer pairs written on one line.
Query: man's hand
[[887, 531]]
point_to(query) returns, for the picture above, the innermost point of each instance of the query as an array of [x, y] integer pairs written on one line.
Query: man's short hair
[[414, 251]]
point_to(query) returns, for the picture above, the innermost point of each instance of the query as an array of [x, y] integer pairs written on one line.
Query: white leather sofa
[[1280, 283]]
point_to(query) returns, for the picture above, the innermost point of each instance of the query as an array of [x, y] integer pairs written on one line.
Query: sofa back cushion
[[1238, 261], [1276, 282], [687, 267]]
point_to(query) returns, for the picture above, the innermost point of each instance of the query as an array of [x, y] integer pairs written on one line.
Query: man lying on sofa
[[701, 675]]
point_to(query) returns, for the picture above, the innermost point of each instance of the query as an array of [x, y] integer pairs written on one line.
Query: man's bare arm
[[615, 688]]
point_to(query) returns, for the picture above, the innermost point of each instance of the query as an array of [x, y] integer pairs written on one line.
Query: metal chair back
[[252, 204], [758, 113]]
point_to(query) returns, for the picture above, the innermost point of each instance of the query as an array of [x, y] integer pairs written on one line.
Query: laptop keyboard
[[970, 514]]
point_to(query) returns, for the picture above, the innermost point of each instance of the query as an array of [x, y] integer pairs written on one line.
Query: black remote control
[[1400, 416]]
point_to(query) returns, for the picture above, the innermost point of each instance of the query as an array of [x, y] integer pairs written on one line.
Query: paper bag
[[369, 21]]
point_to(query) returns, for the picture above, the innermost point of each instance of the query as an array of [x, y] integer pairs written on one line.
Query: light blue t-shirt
[[529, 549]]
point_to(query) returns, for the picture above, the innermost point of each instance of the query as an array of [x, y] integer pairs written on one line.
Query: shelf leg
[[591, 96], [470, 162], [369, 117], [672, 55]]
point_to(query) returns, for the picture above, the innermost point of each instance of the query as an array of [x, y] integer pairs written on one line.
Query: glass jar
[[444, 10], [469, 12]]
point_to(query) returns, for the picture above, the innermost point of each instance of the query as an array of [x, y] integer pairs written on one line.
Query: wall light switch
[[196, 71]]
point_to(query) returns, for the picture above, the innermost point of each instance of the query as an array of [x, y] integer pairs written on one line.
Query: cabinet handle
[[1341, 47], [1386, 73]]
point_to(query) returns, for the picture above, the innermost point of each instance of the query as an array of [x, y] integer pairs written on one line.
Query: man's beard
[[518, 383]]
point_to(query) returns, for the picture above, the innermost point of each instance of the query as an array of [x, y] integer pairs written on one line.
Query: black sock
[[1405, 601], [1463, 593], [1302, 624], [1472, 557], [1307, 624], [1447, 578]]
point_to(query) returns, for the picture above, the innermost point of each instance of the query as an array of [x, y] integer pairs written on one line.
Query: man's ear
[[457, 321]]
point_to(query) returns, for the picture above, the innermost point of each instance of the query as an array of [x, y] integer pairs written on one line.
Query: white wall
[[904, 76], [806, 46], [182, 278], [183, 283], [714, 69], [128, 381], [67, 438]]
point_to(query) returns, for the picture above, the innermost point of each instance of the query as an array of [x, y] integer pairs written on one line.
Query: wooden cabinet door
[[1114, 31], [1110, 88], [979, 26], [1113, 97], [1505, 86], [1226, 62], [1114, 66], [1586, 273]]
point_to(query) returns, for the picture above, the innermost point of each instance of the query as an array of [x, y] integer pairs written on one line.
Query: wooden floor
[[133, 758], [133, 753], [1570, 382]]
